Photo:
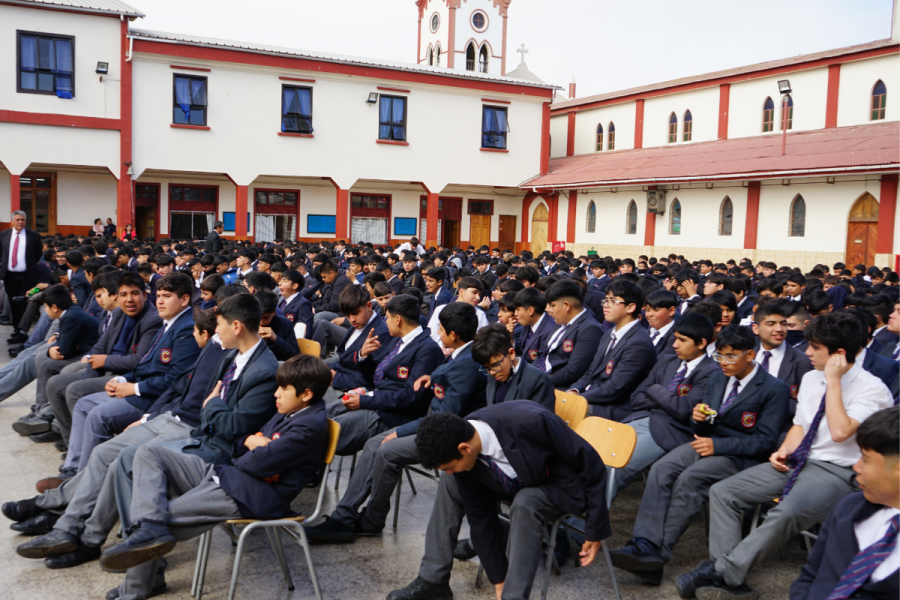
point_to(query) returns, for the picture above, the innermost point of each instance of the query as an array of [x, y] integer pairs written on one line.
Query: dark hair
[[439, 436], [507, 302], [836, 331], [260, 281], [459, 318], [565, 289], [74, 258], [881, 306], [212, 283], [268, 301], [241, 307], [630, 292], [510, 285], [205, 320], [177, 283], [106, 281], [436, 273], [708, 309], [57, 295], [229, 290], [490, 341], [382, 288], [530, 297], [469, 282], [771, 285], [736, 338], [797, 278], [765, 309], [163, 260], [816, 301], [352, 298], [408, 307], [662, 299], [305, 372], [879, 432], [93, 265], [726, 299], [294, 276], [529, 274], [687, 274], [696, 327], [373, 278], [719, 279]]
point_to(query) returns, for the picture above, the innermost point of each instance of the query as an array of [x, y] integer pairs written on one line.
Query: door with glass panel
[[37, 199]]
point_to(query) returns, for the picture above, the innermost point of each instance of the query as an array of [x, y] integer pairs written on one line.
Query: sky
[[605, 45]]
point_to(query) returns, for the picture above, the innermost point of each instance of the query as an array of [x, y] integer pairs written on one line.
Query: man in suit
[[623, 358], [751, 406], [660, 309], [327, 299], [571, 348], [538, 326], [390, 372], [214, 243], [664, 401], [517, 452], [862, 526], [20, 251]]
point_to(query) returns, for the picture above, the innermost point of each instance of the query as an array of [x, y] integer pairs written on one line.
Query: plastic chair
[[290, 525], [311, 347], [571, 408]]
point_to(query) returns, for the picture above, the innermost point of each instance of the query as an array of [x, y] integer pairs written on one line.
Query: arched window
[[430, 56], [790, 112], [631, 220], [675, 218], [611, 138], [688, 125], [591, 217], [470, 57], [599, 137], [768, 116], [673, 128], [437, 56], [879, 100], [798, 216], [726, 216], [483, 60]]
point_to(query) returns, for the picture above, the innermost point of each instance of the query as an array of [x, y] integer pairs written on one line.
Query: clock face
[[435, 22]]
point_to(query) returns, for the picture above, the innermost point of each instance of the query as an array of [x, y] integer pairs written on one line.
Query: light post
[[784, 86]]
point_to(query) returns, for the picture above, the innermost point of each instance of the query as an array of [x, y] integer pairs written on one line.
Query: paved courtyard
[[366, 570]]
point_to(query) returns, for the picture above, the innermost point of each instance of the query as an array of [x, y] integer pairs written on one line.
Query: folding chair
[[290, 525], [571, 408], [808, 536], [432, 476], [311, 347]]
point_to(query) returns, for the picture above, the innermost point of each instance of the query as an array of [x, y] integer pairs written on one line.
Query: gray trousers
[[46, 368], [326, 315], [97, 418], [89, 498], [646, 452], [357, 427], [66, 389], [328, 335], [818, 488], [20, 371], [677, 487], [378, 469]]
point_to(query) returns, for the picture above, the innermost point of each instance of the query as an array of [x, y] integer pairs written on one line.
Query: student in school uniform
[[538, 325], [623, 358], [469, 290], [509, 375], [275, 330], [296, 308], [880, 306], [571, 348], [600, 279], [751, 406], [881, 367], [834, 399], [856, 554], [687, 283], [434, 283], [409, 275], [363, 318], [660, 309], [390, 277], [458, 387], [326, 301]]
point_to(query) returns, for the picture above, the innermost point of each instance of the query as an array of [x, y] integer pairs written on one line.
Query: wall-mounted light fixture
[[102, 68], [373, 98]]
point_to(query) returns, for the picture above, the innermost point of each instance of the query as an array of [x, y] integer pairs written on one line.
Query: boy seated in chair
[[267, 472]]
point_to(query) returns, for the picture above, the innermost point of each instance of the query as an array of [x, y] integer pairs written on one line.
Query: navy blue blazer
[[594, 301], [744, 310], [887, 338], [537, 343], [614, 376], [458, 387], [346, 371], [574, 352], [394, 399], [396, 284], [545, 453], [78, 331], [748, 431], [884, 369], [528, 383], [81, 288], [264, 481], [300, 311], [328, 301], [833, 552], [444, 296], [600, 284], [887, 350], [285, 344], [670, 412], [664, 346], [141, 337]]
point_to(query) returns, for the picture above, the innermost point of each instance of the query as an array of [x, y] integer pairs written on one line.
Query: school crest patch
[[684, 390], [794, 390], [439, 392], [165, 356], [533, 354], [290, 317], [609, 367], [276, 436], [748, 419], [403, 372], [568, 346]]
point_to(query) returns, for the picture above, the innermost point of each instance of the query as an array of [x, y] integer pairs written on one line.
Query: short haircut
[[74, 258], [771, 285], [879, 432], [305, 372], [507, 302], [469, 282], [719, 279], [212, 283], [438, 438], [565, 289], [242, 308], [268, 258], [529, 274], [177, 283], [792, 308], [881, 306], [229, 290], [164, 260], [268, 301], [530, 297], [58, 296], [490, 341], [735, 337], [108, 282], [765, 309], [260, 281], [687, 274], [436, 273], [797, 278], [407, 307], [708, 309], [94, 264], [726, 299], [662, 299], [459, 318], [352, 298], [327, 267], [205, 320], [382, 288], [373, 278], [696, 327], [294, 277], [630, 292], [816, 301], [836, 331]]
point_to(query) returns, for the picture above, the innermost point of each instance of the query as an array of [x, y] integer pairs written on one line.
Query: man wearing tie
[[20, 250]]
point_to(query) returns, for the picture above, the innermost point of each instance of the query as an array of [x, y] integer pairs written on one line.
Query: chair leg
[[312, 570], [551, 557], [337, 476], [278, 549], [755, 523], [397, 501], [203, 565], [612, 571], [352, 465], [200, 545], [412, 486], [808, 542], [237, 560]]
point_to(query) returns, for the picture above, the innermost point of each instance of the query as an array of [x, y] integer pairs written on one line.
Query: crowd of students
[[170, 377]]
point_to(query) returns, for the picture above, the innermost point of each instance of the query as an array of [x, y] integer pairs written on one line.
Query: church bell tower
[[464, 35]]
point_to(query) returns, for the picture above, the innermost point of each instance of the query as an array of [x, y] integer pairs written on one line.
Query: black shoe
[[21, 510], [18, 337], [420, 589], [464, 550], [31, 426], [150, 541], [637, 555], [30, 415], [14, 352], [60, 445], [331, 531], [650, 577], [46, 437], [38, 525], [703, 575], [52, 544], [726, 592], [82, 554]]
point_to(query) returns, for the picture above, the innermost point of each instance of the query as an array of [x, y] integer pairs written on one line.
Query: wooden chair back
[[334, 431], [310, 347], [571, 408], [614, 442]]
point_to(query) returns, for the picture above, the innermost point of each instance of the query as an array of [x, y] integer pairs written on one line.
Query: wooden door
[[540, 228], [451, 234], [37, 199], [479, 230], [862, 231], [507, 236]]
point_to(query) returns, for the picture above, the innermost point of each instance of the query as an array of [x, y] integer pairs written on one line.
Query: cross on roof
[[523, 52]]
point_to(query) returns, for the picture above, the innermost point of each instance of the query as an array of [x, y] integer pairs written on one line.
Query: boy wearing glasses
[[735, 427], [509, 377]]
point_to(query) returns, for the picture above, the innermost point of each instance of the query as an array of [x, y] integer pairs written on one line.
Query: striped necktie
[[509, 485], [731, 397], [226, 381], [897, 352], [765, 361], [799, 456], [865, 562], [541, 362], [679, 377], [162, 330], [379, 370], [653, 337]]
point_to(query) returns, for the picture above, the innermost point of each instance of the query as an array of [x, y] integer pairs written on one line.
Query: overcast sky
[[607, 45]]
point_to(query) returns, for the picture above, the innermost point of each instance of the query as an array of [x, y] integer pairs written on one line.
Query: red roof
[[821, 151]]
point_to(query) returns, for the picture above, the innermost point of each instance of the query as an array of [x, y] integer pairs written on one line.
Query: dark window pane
[[178, 117], [45, 82], [64, 55], [356, 202], [198, 116], [29, 81], [209, 195], [175, 193], [42, 182], [276, 198], [382, 203], [46, 58], [28, 52], [290, 198], [260, 197], [25, 181], [201, 228]]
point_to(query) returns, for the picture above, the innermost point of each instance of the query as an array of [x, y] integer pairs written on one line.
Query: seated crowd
[[170, 377]]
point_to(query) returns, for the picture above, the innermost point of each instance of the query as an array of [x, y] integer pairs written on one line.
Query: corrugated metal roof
[[104, 6], [859, 147], [772, 64], [335, 58]]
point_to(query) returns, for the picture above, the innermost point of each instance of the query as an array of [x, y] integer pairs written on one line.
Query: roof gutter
[[95, 11]]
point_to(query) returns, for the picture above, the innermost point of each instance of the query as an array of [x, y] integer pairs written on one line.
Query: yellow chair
[[311, 347], [290, 525], [571, 408]]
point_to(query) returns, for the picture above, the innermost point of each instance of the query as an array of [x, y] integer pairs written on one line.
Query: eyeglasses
[[728, 360], [607, 302], [494, 368]]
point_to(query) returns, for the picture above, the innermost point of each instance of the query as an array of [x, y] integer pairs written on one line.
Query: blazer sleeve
[[703, 429], [680, 407], [184, 353], [220, 420], [124, 364], [632, 361], [105, 344], [295, 447], [643, 398], [393, 396], [581, 359], [462, 385], [82, 290], [764, 436], [68, 336], [333, 305]]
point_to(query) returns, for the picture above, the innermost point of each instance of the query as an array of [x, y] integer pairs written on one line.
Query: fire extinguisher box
[[558, 246]]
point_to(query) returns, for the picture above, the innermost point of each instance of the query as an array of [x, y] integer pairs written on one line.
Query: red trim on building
[[342, 211], [98, 13], [650, 229], [303, 135], [724, 97], [179, 126], [492, 100], [752, 225], [545, 139], [639, 123], [570, 136], [494, 150], [297, 79], [570, 222], [125, 189], [831, 102], [15, 192], [240, 209], [432, 203], [451, 40], [887, 210], [392, 142], [30, 118], [182, 67], [388, 89], [553, 220], [526, 217]]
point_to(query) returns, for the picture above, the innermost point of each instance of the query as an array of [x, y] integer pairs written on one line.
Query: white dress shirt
[[691, 365], [20, 254], [241, 360], [742, 384], [537, 325], [490, 447], [775, 360], [434, 325], [618, 334], [357, 332], [872, 530], [662, 332], [556, 338]]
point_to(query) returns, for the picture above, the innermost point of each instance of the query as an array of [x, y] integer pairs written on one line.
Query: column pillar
[[650, 229], [343, 214], [887, 210], [831, 97], [124, 193], [724, 96], [570, 135], [15, 195], [545, 139], [639, 124], [570, 221], [240, 211], [431, 215], [553, 217], [752, 226]]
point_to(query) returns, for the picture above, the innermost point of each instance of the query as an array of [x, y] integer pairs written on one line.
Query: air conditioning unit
[[656, 201]]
